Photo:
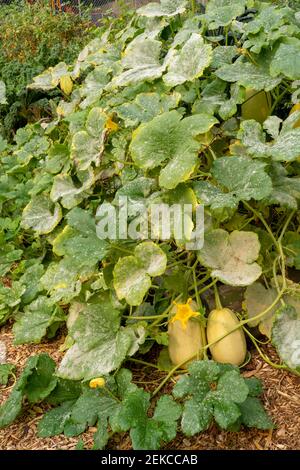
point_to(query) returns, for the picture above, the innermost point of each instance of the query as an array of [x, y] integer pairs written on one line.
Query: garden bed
[[281, 398]]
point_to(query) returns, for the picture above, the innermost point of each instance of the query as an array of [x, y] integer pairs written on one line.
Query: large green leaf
[[286, 190], [132, 274], [252, 183], [78, 241], [222, 12], [286, 60], [284, 148], [32, 325], [166, 8], [65, 190], [231, 256], [146, 106], [148, 433], [286, 336], [170, 141], [141, 61], [36, 382], [41, 215], [101, 344], [88, 144], [248, 75], [189, 63]]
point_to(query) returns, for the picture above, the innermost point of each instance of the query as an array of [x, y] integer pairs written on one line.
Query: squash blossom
[[97, 383], [183, 313]]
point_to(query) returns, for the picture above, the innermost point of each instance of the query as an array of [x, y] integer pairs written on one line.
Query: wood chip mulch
[[281, 399]]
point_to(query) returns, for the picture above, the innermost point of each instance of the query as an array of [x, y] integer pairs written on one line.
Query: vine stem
[[240, 325], [144, 363], [264, 356]]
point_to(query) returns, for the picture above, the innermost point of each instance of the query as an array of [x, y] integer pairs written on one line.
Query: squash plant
[[154, 112]]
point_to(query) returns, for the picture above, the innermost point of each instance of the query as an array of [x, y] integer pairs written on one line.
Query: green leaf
[[169, 139], [258, 299], [189, 63], [253, 414], [101, 344], [232, 387], [286, 60], [222, 12], [132, 274], [41, 380], [32, 325], [285, 148], [166, 8], [41, 215], [148, 433], [231, 256], [64, 188], [146, 107], [167, 412], [248, 75], [6, 370], [196, 417], [78, 242], [36, 382], [54, 421], [286, 190], [253, 182], [49, 79], [286, 336], [61, 280], [141, 61], [88, 145], [226, 413]]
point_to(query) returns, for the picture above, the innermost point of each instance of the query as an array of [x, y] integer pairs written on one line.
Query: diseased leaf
[[285, 336], [32, 325], [248, 75], [286, 60], [101, 344], [166, 8], [189, 63], [171, 141], [41, 215], [2, 93], [253, 414], [222, 12], [132, 274], [141, 61], [231, 256], [253, 183]]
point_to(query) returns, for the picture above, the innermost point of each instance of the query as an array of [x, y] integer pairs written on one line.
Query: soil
[[281, 398]]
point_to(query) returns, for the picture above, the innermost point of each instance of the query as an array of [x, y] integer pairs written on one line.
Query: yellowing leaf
[[66, 84]]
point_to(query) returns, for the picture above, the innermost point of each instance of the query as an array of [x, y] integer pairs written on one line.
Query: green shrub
[[33, 38]]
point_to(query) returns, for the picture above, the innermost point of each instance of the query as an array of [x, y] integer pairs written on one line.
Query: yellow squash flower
[[183, 313], [97, 383]]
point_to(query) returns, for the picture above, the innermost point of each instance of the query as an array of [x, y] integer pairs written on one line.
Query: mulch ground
[[281, 398]]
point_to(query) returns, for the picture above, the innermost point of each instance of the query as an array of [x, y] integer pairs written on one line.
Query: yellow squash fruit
[[232, 349], [295, 108], [66, 84], [257, 105], [186, 334]]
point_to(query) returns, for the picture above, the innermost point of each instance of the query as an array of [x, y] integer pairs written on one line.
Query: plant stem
[[144, 363]]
